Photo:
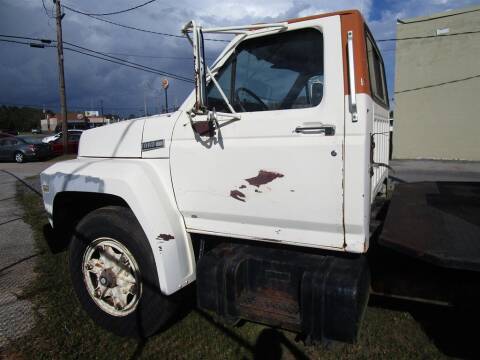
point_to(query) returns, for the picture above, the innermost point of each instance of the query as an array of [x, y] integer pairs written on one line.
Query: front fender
[[145, 185]]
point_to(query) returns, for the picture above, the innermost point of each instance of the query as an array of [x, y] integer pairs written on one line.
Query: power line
[[439, 84], [17, 42], [436, 17], [46, 11], [104, 57], [120, 11], [429, 36], [135, 28], [33, 45], [178, 77], [45, 41], [127, 63], [152, 56], [48, 41], [52, 105]]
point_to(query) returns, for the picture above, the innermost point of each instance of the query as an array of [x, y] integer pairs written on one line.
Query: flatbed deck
[[438, 222]]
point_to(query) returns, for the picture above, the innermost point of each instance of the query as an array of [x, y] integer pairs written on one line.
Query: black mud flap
[[321, 296], [438, 222]]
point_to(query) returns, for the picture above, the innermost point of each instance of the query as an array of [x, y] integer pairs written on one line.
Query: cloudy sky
[[29, 76]]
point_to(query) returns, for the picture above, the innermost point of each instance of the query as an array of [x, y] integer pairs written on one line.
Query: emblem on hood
[[152, 145]]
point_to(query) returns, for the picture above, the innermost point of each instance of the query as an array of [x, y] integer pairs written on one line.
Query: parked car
[[74, 125], [9, 131], [23, 148], [73, 140], [4, 135], [36, 131], [58, 135]]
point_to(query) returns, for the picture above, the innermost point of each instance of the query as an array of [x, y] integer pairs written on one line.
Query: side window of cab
[[275, 72], [376, 70]]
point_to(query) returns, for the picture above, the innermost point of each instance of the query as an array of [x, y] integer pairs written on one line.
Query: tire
[[148, 310], [19, 157]]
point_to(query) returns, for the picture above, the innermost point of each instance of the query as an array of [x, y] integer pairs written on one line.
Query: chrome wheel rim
[[112, 276], [18, 157]]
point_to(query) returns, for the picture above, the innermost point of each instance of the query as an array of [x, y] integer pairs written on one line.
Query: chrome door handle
[[328, 130]]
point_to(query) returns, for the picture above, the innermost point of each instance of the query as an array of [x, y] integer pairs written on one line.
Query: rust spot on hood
[[237, 195], [263, 177], [165, 237]]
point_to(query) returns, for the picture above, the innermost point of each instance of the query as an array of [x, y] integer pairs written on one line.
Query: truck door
[[277, 173]]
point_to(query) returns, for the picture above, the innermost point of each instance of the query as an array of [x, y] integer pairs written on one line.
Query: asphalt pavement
[[17, 261], [434, 170]]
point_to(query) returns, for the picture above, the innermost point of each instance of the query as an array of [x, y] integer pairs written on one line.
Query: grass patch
[[63, 330]]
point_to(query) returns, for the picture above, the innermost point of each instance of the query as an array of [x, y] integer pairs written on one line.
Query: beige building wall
[[437, 88]]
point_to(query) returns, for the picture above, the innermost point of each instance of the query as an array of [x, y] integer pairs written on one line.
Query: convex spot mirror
[[315, 89]]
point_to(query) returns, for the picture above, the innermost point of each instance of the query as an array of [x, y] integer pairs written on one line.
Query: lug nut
[[124, 260]]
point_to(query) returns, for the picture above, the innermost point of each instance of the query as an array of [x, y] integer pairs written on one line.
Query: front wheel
[[114, 274]]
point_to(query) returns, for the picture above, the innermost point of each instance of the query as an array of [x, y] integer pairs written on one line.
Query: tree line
[[20, 118]]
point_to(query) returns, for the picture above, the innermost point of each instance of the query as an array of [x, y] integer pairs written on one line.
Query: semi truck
[[263, 189]]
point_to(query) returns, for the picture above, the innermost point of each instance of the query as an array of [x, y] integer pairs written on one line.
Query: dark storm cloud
[[29, 76]]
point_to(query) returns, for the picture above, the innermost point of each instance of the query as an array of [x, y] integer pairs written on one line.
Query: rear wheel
[[19, 157], [114, 274]]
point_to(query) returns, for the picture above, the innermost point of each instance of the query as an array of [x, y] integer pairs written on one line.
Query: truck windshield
[[276, 72]]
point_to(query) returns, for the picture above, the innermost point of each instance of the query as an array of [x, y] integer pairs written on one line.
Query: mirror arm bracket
[[219, 88]]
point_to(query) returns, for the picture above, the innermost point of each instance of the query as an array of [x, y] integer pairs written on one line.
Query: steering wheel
[[253, 95]]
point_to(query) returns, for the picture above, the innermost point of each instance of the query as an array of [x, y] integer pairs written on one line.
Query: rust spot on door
[[263, 177], [165, 237], [237, 195]]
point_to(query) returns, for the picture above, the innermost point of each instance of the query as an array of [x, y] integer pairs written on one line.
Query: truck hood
[[124, 139]]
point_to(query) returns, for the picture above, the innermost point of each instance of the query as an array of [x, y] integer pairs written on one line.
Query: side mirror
[[200, 67]]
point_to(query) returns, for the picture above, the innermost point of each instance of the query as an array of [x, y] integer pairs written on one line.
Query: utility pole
[[61, 75]]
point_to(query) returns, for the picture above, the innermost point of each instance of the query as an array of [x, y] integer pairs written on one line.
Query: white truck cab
[[271, 164]]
